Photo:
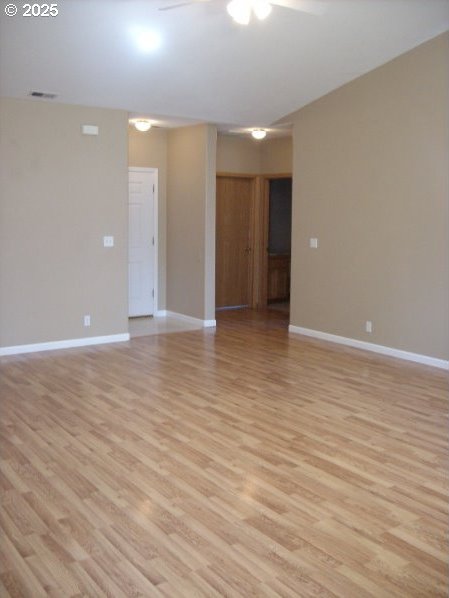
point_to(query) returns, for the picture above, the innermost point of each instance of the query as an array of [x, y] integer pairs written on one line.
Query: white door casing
[[142, 241]]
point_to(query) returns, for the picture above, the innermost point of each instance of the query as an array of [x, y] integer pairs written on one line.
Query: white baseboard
[[192, 320], [352, 342], [66, 344], [161, 313]]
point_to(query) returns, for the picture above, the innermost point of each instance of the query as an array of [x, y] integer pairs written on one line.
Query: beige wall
[[238, 155], [61, 192], [371, 182], [276, 155], [241, 155], [149, 150], [209, 232], [190, 205]]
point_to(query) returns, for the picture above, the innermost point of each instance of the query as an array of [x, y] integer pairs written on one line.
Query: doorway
[[142, 242], [253, 241], [279, 243]]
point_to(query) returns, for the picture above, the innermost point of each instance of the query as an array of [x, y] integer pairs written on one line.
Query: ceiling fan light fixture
[[142, 125], [261, 9], [258, 134], [240, 11]]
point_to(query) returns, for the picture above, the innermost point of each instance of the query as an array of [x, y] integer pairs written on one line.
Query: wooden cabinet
[[278, 277]]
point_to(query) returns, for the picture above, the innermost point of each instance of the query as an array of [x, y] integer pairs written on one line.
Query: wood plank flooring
[[238, 463]]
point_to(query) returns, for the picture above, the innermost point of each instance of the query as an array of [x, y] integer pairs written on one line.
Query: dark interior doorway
[[279, 243]]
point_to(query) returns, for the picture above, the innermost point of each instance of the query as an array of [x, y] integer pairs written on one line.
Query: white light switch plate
[[108, 241], [89, 130], [313, 243]]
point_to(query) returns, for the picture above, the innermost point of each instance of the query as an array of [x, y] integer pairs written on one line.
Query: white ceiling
[[207, 68]]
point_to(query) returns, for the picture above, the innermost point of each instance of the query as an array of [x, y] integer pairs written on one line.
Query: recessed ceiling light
[[147, 40], [259, 134]]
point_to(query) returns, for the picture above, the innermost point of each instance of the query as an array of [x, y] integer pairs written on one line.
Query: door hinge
[[152, 293], [152, 241], [153, 187]]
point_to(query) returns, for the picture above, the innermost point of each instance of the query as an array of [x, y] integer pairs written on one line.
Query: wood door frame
[[258, 234], [155, 171]]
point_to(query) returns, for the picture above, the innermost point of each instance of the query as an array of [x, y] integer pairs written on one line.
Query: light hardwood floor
[[240, 463]]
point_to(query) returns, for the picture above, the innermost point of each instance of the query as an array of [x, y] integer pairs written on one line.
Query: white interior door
[[142, 184]]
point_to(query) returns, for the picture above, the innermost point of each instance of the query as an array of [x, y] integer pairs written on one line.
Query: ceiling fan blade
[[178, 5], [313, 7]]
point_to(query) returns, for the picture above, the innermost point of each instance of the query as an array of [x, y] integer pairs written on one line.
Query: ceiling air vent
[[44, 95]]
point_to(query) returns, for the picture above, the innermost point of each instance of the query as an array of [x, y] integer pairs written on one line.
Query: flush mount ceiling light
[[259, 134], [240, 10], [142, 125]]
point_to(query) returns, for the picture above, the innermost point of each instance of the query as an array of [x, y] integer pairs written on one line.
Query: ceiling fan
[[241, 10]]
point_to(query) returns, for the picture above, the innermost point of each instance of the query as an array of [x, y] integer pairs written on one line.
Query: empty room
[[224, 298]]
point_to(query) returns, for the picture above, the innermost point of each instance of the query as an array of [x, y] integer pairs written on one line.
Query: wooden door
[[141, 242], [233, 241]]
